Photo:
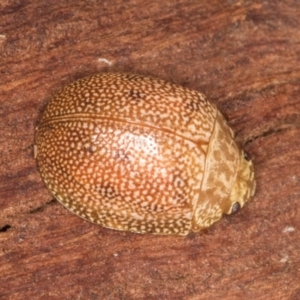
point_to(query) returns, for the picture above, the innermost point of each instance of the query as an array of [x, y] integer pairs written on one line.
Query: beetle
[[140, 154]]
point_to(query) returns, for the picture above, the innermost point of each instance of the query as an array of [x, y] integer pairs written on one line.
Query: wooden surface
[[244, 55]]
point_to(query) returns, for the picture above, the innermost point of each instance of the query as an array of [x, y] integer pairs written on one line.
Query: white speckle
[[104, 60], [284, 259], [136, 194], [137, 216], [131, 185], [192, 128], [288, 229], [149, 198], [115, 254]]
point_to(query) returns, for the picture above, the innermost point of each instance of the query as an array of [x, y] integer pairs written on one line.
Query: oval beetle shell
[[139, 154]]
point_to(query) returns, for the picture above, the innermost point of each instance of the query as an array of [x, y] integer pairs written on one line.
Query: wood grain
[[244, 55]]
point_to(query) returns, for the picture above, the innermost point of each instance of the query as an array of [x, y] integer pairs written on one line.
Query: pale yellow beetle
[[135, 153]]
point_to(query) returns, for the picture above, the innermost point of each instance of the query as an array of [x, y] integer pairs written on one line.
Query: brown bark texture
[[244, 55]]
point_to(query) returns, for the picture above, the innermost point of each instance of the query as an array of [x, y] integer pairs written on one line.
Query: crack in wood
[[43, 207], [5, 228]]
